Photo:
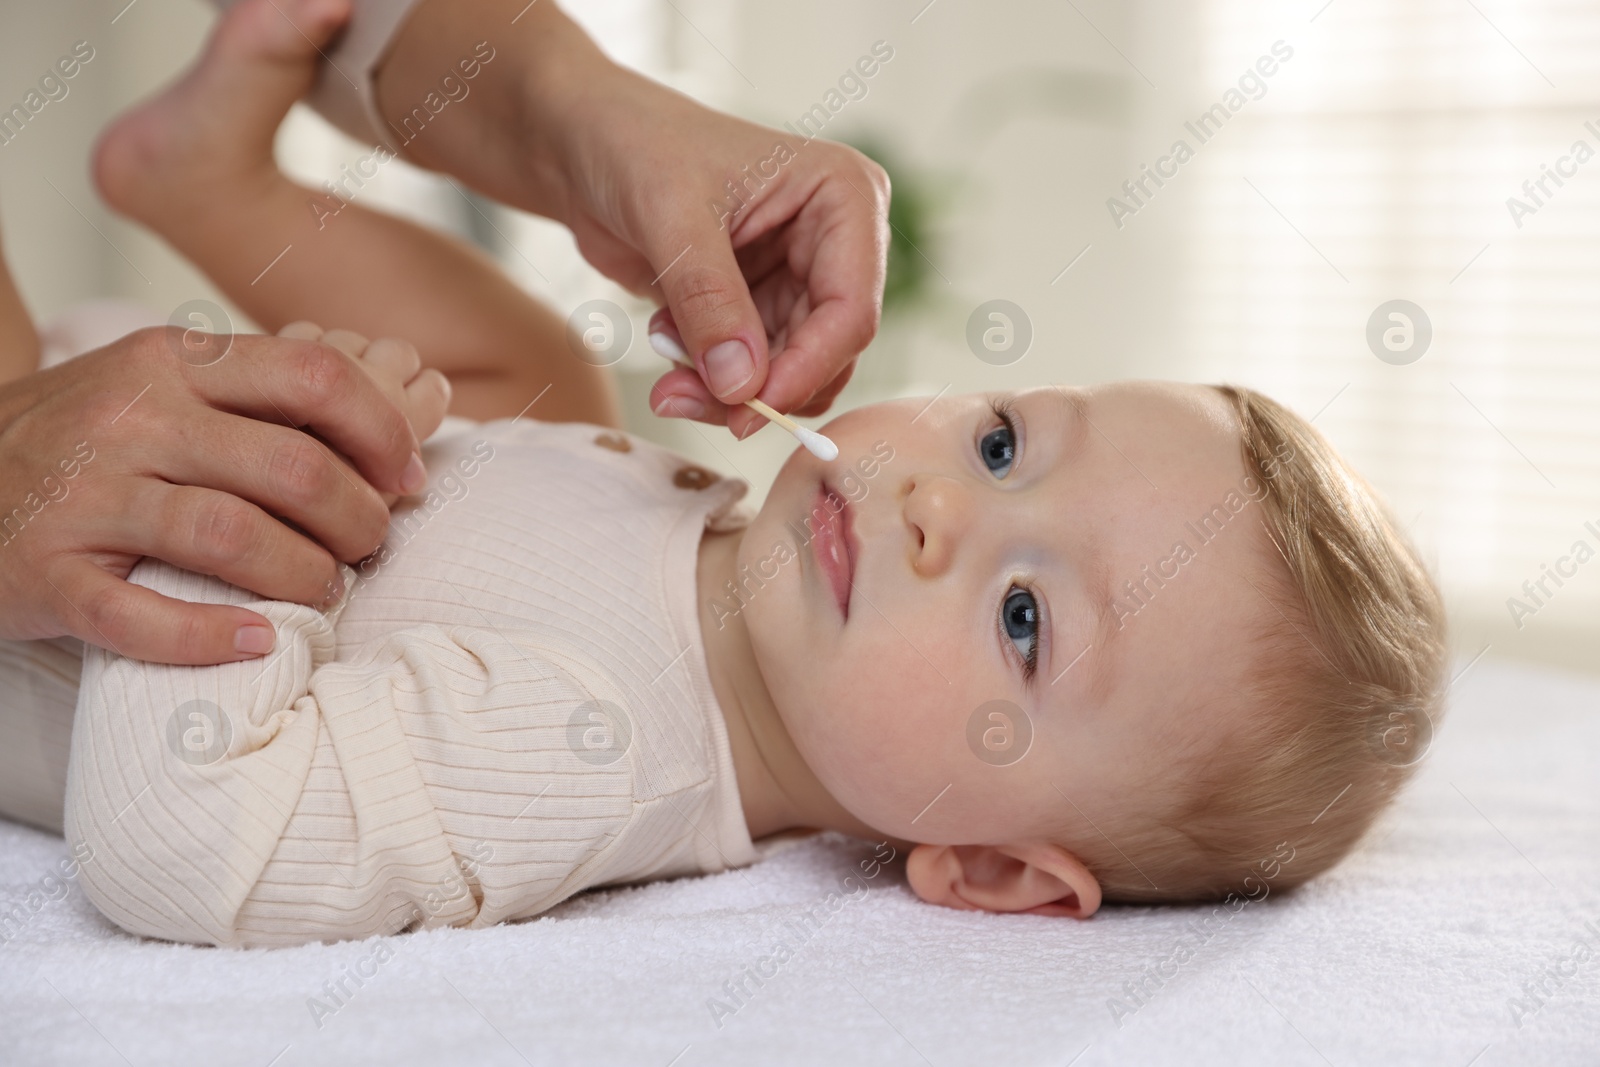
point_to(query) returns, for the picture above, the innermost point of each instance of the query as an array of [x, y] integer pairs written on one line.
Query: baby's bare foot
[[211, 132]]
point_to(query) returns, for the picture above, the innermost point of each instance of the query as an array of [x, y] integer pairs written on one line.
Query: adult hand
[[133, 450], [775, 299], [421, 394]]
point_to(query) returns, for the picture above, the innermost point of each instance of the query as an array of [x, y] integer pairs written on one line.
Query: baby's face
[[972, 591]]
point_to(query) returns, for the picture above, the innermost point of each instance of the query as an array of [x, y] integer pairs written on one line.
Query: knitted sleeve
[[437, 775]]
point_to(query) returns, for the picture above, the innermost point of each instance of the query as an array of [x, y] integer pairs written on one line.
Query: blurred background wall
[[1374, 163]]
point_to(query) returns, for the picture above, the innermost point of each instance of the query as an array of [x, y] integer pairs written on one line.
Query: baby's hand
[[394, 365]]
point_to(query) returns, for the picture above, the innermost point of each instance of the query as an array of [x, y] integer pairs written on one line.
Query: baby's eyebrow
[[1074, 401], [1093, 567], [1098, 577], [1090, 565], [1097, 586], [1073, 411]]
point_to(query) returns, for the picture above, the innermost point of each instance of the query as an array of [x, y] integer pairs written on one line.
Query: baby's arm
[[426, 779]]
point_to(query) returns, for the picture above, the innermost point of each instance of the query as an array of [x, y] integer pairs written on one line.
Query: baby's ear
[[1034, 878]]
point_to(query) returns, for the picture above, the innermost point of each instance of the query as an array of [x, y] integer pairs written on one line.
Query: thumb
[[711, 306]]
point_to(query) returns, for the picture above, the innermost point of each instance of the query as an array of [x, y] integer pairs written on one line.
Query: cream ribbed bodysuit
[[509, 704]]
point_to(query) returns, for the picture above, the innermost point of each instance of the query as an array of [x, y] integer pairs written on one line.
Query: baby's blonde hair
[[1342, 689]]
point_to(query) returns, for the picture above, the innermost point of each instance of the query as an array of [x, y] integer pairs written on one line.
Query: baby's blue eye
[[997, 448], [1020, 617]]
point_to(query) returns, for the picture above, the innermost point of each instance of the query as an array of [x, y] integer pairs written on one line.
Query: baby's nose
[[938, 511]]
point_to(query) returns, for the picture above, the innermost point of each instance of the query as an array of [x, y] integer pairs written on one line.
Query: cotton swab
[[811, 440]]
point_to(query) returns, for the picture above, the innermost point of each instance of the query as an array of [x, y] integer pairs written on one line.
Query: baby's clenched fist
[[422, 394]]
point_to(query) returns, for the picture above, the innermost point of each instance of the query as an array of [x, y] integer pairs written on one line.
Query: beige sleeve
[[343, 93], [429, 780]]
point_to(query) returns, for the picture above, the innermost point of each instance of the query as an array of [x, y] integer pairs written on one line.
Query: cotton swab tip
[[817, 444], [665, 346]]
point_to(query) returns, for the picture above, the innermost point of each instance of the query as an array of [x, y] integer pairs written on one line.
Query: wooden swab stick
[[811, 440]]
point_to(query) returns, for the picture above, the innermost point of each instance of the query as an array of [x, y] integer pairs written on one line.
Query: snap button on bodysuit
[[691, 477]]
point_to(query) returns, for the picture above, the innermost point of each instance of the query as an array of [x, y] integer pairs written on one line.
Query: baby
[[1134, 642]]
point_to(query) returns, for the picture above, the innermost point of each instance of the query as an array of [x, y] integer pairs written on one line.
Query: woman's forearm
[[495, 124]]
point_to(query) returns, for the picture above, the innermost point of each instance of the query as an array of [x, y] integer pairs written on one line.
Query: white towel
[[1415, 951]]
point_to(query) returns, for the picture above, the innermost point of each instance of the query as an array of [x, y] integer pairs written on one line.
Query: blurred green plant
[[922, 197], [914, 203]]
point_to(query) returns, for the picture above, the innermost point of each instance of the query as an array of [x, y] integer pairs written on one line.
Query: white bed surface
[[1411, 952]]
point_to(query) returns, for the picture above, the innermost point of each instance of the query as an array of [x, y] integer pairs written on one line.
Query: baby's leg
[[19, 343], [195, 165]]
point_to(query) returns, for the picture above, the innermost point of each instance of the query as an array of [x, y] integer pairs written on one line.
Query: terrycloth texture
[[514, 686], [1413, 952]]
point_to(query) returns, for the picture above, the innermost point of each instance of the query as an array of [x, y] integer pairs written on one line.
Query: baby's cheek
[[889, 749]]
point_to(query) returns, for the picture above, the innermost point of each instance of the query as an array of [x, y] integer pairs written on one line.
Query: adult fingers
[[681, 394], [283, 471], [815, 363], [110, 612], [312, 385], [844, 287], [720, 326], [212, 532], [824, 398]]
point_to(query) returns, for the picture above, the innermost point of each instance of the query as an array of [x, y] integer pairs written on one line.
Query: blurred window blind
[[1378, 166]]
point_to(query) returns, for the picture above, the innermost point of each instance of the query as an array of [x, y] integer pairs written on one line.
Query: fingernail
[[416, 475], [254, 639], [681, 407], [729, 365]]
